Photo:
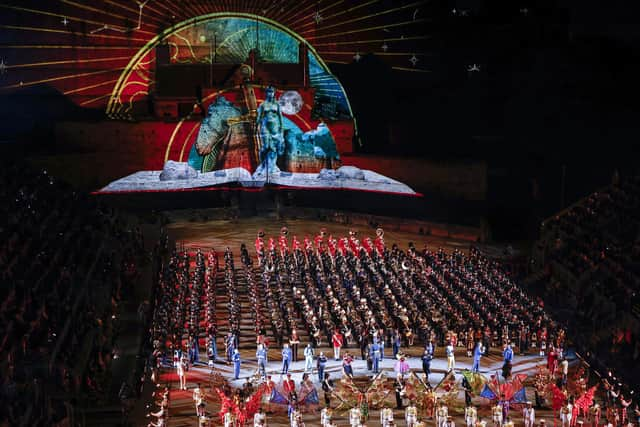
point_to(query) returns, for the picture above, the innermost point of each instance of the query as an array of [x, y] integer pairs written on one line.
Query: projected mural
[[222, 39], [264, 109], [262, 141]]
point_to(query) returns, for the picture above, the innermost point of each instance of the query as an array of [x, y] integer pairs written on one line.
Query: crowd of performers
[[357, 294]]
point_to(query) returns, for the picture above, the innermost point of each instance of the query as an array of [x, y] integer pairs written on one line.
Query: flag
[[520, 396], [487, 393], [278, 398], [476, 381]]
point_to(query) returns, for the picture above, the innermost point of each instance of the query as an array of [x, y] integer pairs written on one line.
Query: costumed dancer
[[429, 400], [267, 395], [327, 387], [296, 418], [402, 367], [346, 365], [363, 403], [289, 387], [625, 405]]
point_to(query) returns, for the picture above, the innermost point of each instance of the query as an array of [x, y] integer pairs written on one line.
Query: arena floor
[[182, 410], [218, 234]]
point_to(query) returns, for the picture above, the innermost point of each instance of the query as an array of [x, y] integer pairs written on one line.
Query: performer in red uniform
[[337, 339], [289, 386]]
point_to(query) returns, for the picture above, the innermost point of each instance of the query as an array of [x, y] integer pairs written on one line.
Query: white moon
[[291, 102]]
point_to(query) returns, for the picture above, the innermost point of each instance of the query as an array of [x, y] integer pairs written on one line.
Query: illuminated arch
[[131, 67]]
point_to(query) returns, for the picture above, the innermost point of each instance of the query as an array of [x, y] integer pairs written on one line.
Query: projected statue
[[270, 132]]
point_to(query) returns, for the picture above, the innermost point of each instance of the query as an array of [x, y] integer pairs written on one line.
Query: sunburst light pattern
[[89, 49]]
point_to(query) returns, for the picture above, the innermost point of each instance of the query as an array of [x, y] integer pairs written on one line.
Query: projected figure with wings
[[270, 132]]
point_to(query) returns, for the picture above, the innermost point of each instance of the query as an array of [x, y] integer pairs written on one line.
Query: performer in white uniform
[[565, 415], [496, 415], [260, 419], [411, 415], [441, 414], [354, 417], [470, 416], [529, 415], [386, 416], [229, 420], [325, 416]]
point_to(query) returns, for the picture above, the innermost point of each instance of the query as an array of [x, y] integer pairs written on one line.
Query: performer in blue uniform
[[322, 362], [508, 354], [426, 363], [230, 343], [236, 363], [375, 356], [286, 358], [261, 355], [477, 354]]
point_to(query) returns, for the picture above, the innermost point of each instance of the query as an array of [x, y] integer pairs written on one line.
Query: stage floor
[[182, 410], [218, 234], [190, 232]]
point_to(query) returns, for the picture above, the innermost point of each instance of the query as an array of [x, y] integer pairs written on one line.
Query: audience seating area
[[589, 262], [65, 266]]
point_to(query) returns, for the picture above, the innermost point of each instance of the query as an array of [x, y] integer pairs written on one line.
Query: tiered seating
[[65, 264], [591, 273]]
